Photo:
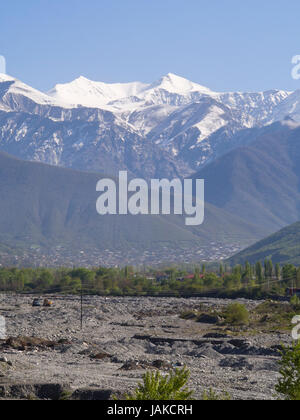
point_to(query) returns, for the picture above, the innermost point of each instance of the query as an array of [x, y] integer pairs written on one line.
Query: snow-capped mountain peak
[[186, 122], [177, 84], [83, 91], [15, 89], [5, 78]]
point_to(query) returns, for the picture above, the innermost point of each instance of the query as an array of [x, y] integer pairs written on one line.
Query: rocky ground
[[120, 339]]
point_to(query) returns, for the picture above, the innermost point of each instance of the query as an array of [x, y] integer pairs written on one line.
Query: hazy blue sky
[[225, 45]]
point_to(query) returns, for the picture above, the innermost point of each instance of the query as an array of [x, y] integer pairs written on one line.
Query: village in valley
[[164, 255]]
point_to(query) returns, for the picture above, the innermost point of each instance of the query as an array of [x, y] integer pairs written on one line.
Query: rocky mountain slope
[[172, 127]]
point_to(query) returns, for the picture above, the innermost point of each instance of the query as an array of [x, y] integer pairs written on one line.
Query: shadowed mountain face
[[261, 182], [46, 206], [282, 247]]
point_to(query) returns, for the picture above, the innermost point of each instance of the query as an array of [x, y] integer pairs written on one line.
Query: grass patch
[[235, 319]]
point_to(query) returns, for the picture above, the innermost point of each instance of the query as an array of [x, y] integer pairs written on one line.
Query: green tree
[[237, 314], [157, 387], [289, 383], [197, 275], [259, 272], [237, 271], [298, 278], [247, 274], [221, 270], [277, 271], [289, 273], [45, 280], [268, 268], [295, 302]]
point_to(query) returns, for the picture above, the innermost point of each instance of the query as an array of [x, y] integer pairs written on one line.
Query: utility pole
[[81, 308]]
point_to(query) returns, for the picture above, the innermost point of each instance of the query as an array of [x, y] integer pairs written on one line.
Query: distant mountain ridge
[[172, 127]]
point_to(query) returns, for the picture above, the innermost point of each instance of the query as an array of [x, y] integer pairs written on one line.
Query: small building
[[292, 291]]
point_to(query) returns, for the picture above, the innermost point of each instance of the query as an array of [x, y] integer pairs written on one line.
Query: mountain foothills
[[51, 212], [282, 247], [245, 146]]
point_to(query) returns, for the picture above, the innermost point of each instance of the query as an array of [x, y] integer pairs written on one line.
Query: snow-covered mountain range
[[172, 127]]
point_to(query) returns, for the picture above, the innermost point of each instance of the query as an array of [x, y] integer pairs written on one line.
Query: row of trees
[[242, 279]]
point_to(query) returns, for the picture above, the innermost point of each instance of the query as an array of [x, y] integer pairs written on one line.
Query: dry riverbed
[[121, 339]]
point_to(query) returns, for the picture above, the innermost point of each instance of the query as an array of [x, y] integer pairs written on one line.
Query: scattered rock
[[209, 319], [161, 364], [90, 394], [156, 364], [131, 365], [100, 356], [236, 363], [215, 335], [205, 351]]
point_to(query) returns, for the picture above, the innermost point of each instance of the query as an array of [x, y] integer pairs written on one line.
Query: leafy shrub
[[237, 314], [276, 314], [188, 315], [295, 302], [159, 388], [289, 383], [270, 307], [213, 396]]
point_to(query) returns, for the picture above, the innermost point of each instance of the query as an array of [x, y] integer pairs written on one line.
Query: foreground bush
[[237, 314], [289, 383], [159, 388], [295, 302], [213, 396]]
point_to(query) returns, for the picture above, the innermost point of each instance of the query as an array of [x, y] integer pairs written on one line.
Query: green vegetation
[[211, 395], [235, 319], [157, 387], [295, 302], [275, 316], [237, 314], [282, 247], [289, 383], [173, 387], [249, 281]]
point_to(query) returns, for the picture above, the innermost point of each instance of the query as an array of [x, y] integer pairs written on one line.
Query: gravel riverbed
[[121, 339]]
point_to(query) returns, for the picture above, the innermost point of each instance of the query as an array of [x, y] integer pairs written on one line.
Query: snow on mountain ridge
[[18, 88], [85, 92], [177, 84], [6, 78], [190, 123]]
